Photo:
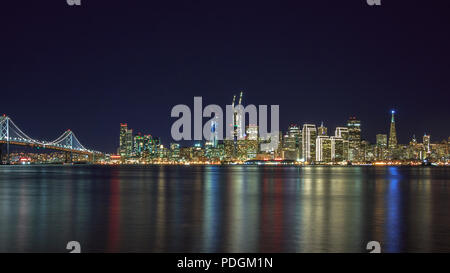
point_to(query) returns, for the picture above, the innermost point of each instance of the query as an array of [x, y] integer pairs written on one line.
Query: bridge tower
[[4, 135], [69, 143]]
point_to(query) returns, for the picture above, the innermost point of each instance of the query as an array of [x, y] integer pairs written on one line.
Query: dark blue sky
[[89, 68]]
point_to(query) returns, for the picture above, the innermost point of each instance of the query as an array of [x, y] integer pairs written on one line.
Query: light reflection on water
[[224, 208]]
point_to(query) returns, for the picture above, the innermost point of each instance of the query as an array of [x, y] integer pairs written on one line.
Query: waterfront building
[[341, 132], [392, 134], [229, 149], [198, 153], [381, 146], [251, 132], [129, 143], [368, 151], [292, 143], [414, 149], [426, 143], [186, 154], [125, 141], [174, 151], [251, 143], [339, 149], [138, 145], [322, 130], [323, 149], [354, 138], [214, 153], [289, 151], [309, 134]]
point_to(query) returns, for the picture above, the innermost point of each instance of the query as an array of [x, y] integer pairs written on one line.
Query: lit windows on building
[[323, 149], [339, 149], [292, 143], [174, 151], [126, 141], [381, 146], [426, 143], [341, 132], [354, 138], [252, 132], [392, 133], [322, 130], [139, 145], [123, 140], [309, 134]]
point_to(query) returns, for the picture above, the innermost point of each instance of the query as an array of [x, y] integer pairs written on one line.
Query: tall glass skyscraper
[[292, 143], [381, 146], [323, 149], [392, 134], [426, 143], [126, 141], [322, 130], [309, 134], [354, 138]]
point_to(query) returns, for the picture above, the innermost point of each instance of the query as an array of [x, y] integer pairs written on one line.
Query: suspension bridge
[[11, 134]]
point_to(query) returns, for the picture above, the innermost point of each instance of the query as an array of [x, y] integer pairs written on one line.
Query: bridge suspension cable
[[9, 131]]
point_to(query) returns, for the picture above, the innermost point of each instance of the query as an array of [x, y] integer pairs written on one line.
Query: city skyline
[[391, 132], [322, 123], [308, 143]]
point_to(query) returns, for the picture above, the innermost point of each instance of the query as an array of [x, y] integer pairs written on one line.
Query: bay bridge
[[11, 134]]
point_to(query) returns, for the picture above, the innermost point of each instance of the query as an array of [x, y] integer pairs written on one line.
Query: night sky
[[89, 68]]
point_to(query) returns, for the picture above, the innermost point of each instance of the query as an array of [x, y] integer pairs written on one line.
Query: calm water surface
[[224, 209]]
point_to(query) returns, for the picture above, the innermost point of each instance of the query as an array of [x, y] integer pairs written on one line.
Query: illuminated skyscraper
[[139, 145], [126, 141], [292, 143], [323, 149], [123, 140], [426, 143], [289, 147], [214, 133], [149, 147], [129, 141], [236, 129], [309, 134], [381, 146], [339, 149], [228, 146], [322, 130], [392, 134], [367, 151], [252, 132], [174, 151], [340, 153], [251, 141], [354, 138], [341, 132]]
